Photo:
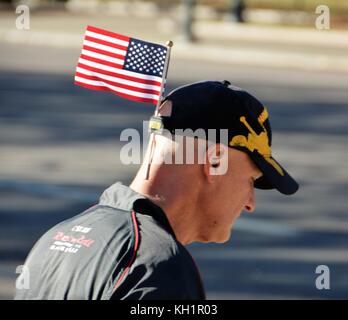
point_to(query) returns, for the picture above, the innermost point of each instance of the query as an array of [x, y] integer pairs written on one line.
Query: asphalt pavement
[[59, 149]]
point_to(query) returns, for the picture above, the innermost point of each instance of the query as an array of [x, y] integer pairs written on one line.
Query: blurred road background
[[52, 134]]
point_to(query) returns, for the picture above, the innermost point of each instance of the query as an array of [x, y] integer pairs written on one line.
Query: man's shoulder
[[98, 218], [97, 227], [102, 234]]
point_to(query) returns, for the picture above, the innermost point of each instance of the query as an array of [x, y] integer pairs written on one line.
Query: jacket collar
[[122, 197]]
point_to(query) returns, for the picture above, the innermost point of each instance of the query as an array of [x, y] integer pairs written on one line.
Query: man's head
[[204, 198]]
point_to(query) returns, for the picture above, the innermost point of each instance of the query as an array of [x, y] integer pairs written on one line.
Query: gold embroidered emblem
[[258, 142]]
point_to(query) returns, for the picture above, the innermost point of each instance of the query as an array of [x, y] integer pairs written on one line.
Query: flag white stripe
[[102, 56], [106, 38], [119, 71], [123, 81], [103, 47], [117, 89]]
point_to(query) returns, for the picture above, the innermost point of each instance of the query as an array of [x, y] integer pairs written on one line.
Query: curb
[[262, 58], [202, 52], [276, 34]]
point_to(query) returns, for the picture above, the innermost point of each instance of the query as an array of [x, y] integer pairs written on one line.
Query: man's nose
[[250, 205]]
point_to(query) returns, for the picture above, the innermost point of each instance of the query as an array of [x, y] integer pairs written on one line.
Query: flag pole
[[169, 46]]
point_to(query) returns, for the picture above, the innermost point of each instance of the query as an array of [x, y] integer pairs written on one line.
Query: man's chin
[[216, 239], [225, 239]]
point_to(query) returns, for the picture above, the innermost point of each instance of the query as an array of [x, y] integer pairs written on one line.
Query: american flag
[[126, 66]]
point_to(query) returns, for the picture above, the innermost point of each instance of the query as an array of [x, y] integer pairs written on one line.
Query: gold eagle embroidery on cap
[[258, 142]]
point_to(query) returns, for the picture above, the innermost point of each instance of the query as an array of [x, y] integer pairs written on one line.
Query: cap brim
[[273, 178]]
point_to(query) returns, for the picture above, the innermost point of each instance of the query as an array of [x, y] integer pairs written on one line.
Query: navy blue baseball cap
[[219, 105]]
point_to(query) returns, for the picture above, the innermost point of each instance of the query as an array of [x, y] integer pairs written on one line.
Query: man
[[131, 244]]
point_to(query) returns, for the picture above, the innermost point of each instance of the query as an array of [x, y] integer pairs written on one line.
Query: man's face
[[229, 195]]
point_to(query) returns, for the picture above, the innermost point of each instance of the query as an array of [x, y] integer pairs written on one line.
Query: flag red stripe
[[118, 84], [107, 53], [107, 63], [139, 99], [106, 43], [122, 76], [108, 33]]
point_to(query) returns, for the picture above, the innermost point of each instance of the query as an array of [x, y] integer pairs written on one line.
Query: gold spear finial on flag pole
[[169, 45]]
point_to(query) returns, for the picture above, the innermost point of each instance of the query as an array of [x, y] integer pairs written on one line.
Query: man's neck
[[178, 206]]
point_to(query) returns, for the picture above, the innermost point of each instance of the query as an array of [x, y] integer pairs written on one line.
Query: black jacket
[[122, 248]]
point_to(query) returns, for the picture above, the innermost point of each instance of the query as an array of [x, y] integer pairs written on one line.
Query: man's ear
[[216, 163]]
